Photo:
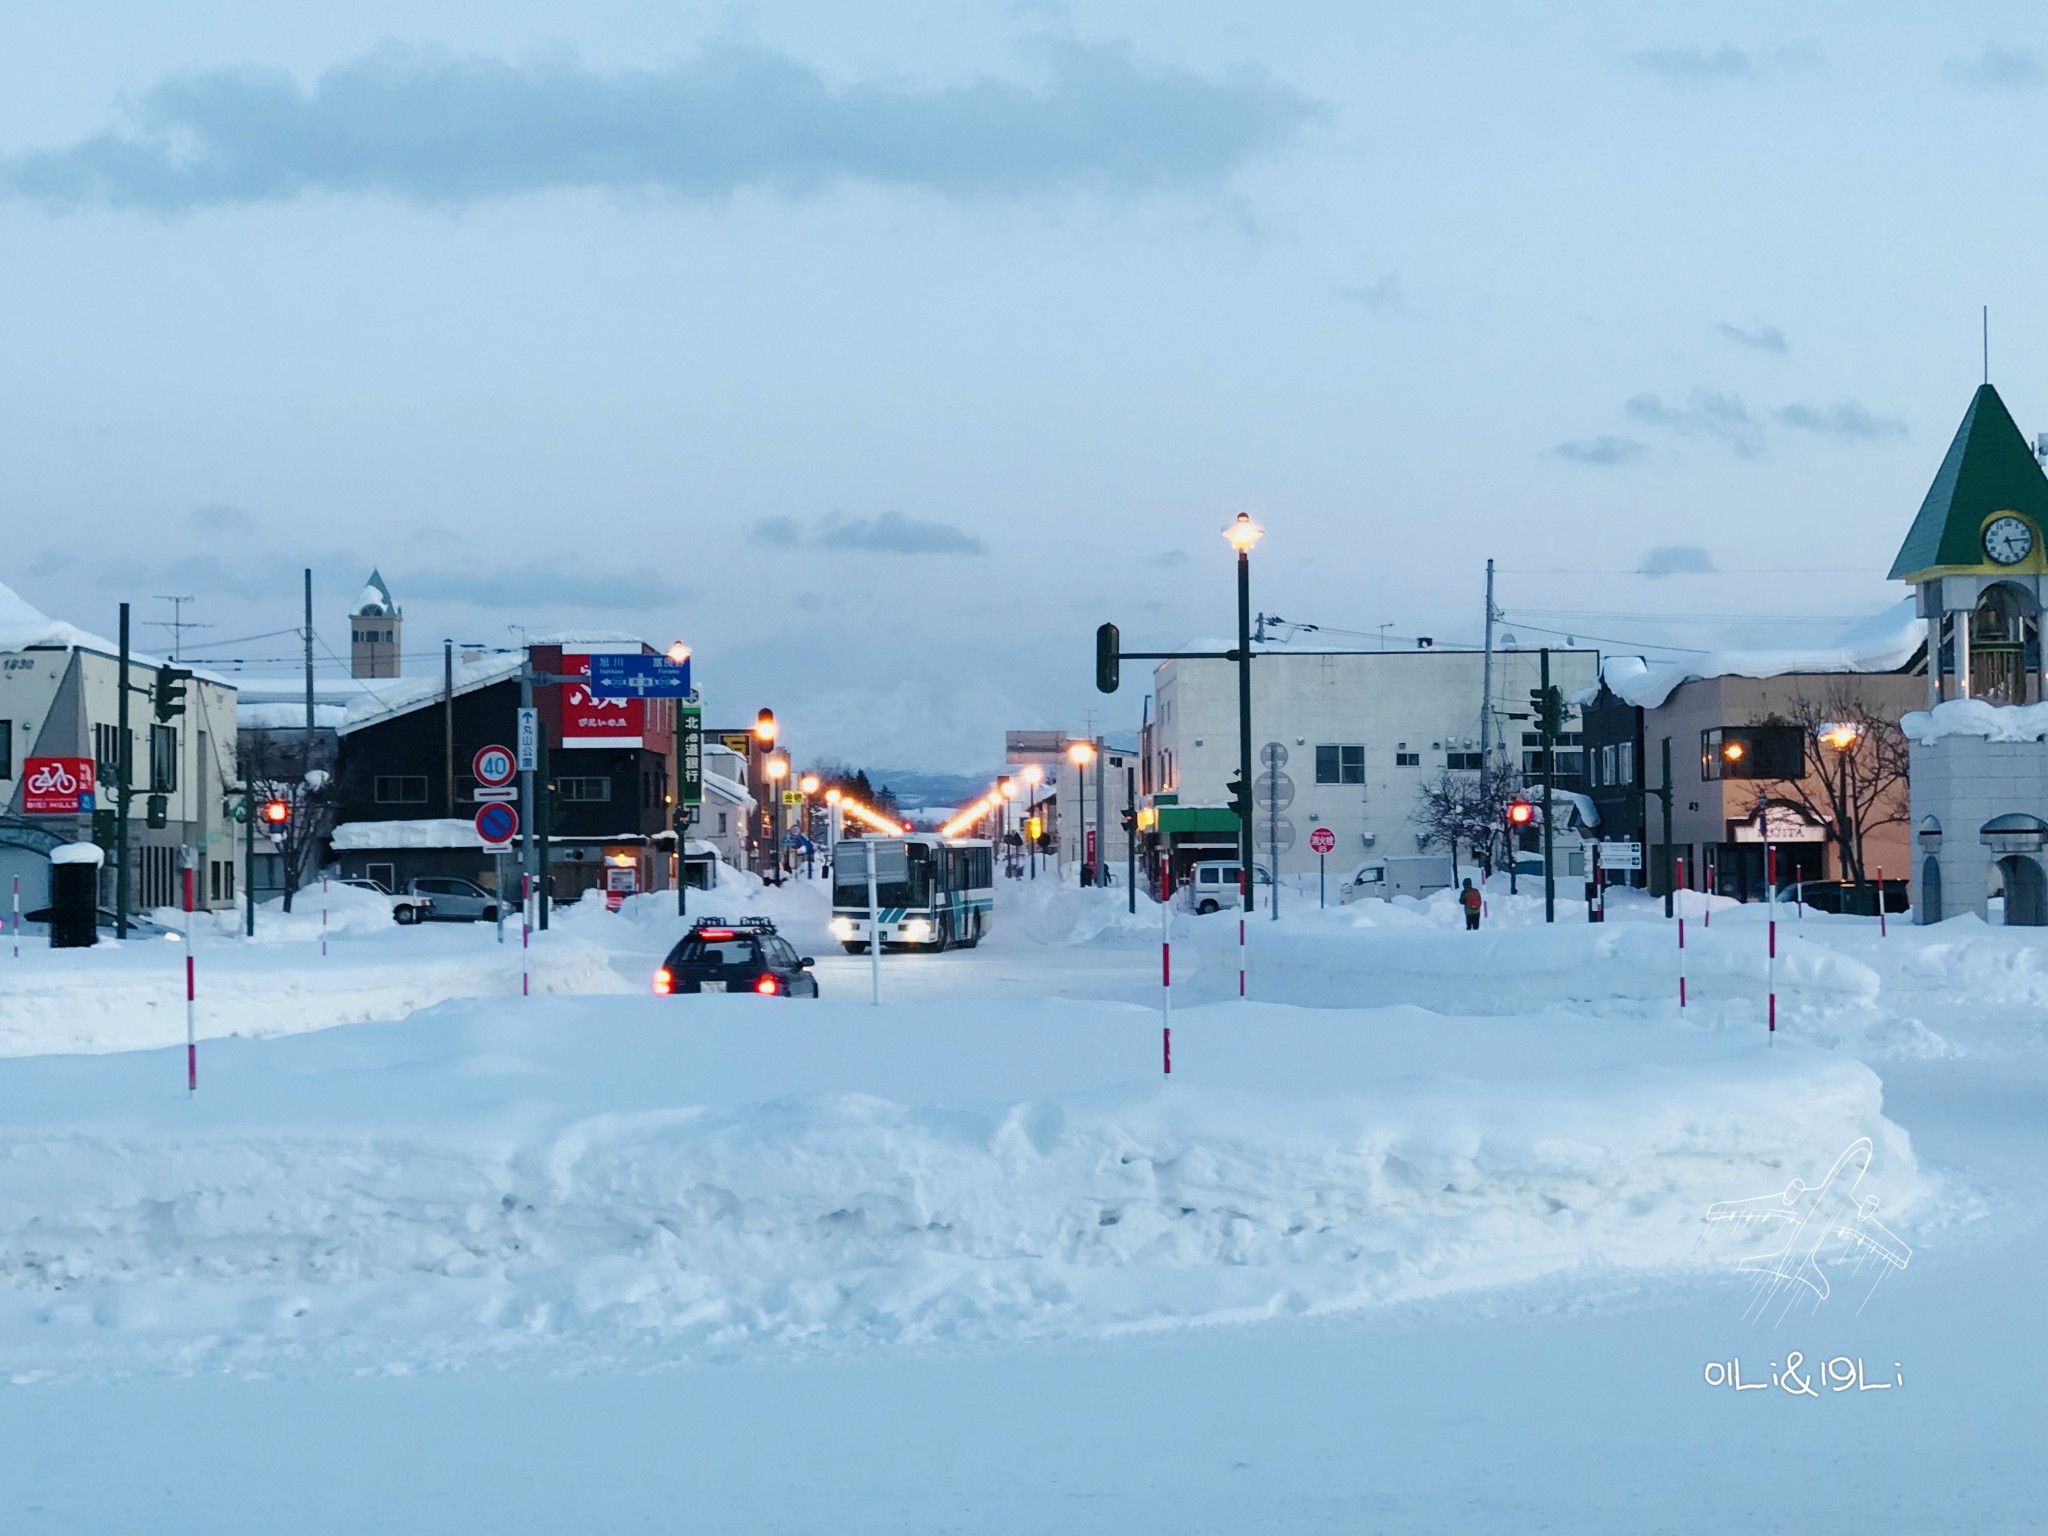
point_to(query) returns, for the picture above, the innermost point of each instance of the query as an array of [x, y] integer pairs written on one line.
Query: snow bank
[[1974, 717], [587, 1183], [1884, 643]]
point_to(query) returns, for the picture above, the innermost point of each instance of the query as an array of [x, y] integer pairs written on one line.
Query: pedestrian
[[1471, 901]]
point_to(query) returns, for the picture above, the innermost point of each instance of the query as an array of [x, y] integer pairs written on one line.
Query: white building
[[60, 699], [1364, 732]]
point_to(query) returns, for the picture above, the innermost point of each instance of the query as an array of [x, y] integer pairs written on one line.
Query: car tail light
[[714, 933], [664, 983], [766, 986]]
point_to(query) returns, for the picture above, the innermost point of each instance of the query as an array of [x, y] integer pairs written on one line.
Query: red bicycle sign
[[56, 786]]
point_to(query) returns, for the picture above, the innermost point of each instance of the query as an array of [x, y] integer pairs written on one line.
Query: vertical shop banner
[[592, 721]]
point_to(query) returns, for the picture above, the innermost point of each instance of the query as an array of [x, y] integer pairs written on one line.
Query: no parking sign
[[497, 823]]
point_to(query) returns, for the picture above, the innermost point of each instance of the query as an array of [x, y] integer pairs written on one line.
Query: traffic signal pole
[[1549, 722], [1244, 724], [123, 777]]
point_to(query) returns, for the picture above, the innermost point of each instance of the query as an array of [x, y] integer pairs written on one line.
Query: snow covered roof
[[386, 697], [426, 832], [375, 600], [1974, 717], [1885, 643], [23, 626], [284, 715]]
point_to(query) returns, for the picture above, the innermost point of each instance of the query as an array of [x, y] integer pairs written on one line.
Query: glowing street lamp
[[1242, 534], [1842, 735], [808, 784], [679, 653]]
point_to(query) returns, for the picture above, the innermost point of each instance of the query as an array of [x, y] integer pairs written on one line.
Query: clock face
[[2008, 541]]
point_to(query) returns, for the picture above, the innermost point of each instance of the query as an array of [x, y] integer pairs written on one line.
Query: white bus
[[933, 892]]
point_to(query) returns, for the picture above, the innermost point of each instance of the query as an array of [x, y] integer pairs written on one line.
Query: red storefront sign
[[56, 786], [593, 722]]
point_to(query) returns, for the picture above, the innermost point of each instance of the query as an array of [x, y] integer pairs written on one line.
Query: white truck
[[1416, 875]]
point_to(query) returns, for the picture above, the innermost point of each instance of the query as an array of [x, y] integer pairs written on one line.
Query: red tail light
[[714, 933], [664, 983], [766, 986]]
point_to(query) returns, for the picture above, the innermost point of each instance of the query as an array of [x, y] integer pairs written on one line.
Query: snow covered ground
[[1415, 1239]]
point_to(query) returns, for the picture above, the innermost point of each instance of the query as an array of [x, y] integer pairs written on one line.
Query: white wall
[[1427, 702]]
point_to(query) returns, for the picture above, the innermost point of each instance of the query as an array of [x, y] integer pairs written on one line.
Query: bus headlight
[[842, 928], [917, 930]]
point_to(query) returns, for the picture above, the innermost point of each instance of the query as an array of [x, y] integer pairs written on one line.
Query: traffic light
[[1035, 826], [1130, 821], [1106, 644], [276, 813], [1520, 813], [156, 811], [106, 828], [1240, 798], [1547, 710], [169, 693], [765, 728]]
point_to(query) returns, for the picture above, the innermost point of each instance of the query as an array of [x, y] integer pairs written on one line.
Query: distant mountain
[[913, 788]]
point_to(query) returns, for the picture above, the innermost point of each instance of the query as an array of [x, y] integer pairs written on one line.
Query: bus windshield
[[900, 881]]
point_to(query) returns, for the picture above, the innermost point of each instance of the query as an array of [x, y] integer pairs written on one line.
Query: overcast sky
[[881, 351]]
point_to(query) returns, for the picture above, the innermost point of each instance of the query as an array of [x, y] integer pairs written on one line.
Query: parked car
[[453, 900], [746, 956], [1214, 884], [404, 909]]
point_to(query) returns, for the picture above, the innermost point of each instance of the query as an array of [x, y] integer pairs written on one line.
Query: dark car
[[746, 956]]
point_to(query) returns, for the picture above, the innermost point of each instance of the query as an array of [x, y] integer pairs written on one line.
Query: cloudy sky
[[881, 351]]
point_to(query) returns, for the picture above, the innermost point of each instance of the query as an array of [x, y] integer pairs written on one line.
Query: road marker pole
[[1880, 901], [1771, 963], [525, 935], [17, 917], [1166, 986], [1707, 913], [1679, 908], [323, 917], [191, 996]]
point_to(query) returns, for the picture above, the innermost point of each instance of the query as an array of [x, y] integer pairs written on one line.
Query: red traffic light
[[1520, 813], [276, 812]]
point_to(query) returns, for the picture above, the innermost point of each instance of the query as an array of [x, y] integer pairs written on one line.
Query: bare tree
[[1856, 769], [274, 766], [1456, 808]]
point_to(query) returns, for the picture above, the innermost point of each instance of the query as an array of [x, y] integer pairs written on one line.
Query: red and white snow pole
[[1240, 951], [1678, 906], [191, 997], [17, 917], [1166, 987], [1880, 901], [1771, 961], [1707, 908], [525, 934], [323, 917]]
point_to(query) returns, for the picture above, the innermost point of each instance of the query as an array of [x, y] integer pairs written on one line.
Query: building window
[[1407, 759], [106, 751], [163, 759], [1465, 762], [583, 790], [1608, 756], [1570, 763], [6, 749], [1753, 752], [400, 789], [721, 823], [1340, 765], [1626, 763]]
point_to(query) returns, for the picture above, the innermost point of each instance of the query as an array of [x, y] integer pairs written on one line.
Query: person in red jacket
[[1470, 900]]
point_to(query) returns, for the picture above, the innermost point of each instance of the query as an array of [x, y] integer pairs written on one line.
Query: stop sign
[[1322, 840]]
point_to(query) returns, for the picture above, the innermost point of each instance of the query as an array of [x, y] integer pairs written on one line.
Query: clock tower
[[1975, 557]]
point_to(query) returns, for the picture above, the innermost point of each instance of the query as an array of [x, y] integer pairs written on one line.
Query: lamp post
[[765, 731], [1842, 735], [809, 785], [1033, 776], [832, 813], [778, 772], [1080, 752], [1242, 534], [679, 822]]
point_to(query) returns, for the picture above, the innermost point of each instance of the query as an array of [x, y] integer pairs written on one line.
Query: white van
[[1415, 876], [1215, 884]]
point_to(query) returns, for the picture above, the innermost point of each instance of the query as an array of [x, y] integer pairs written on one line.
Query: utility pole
[[124, 776], [177, 624], [526, 769], [1486, 715], [1244, 722], [1548, 715], [1670, 864], [296, 829], [1101, 807], [448, 723], [1131, 839]]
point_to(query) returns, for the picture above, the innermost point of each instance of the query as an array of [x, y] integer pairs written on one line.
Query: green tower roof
[[1988, 468]]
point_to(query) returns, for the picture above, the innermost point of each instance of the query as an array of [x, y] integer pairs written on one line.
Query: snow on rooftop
[[425, 832], [1974, 717], [1884, 643], [285, 715], [385, 697], [23, 626]]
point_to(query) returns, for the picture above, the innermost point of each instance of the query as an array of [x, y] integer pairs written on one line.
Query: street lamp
[[1842, 735], [777, 769], [1242, 534], [1081, 752]]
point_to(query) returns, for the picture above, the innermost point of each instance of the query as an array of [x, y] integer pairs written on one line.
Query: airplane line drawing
[[1822, 1222]]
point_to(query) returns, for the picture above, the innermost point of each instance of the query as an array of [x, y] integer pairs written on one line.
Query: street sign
[[690, 772], [57, 786], [1279, 834], [1322, 840], [629, 676], [529, 740], [497, 823], [493, 767], [792, 797], [1619, 855], [507, 792], [741, 742], [1272, 755], [1273, 790]]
